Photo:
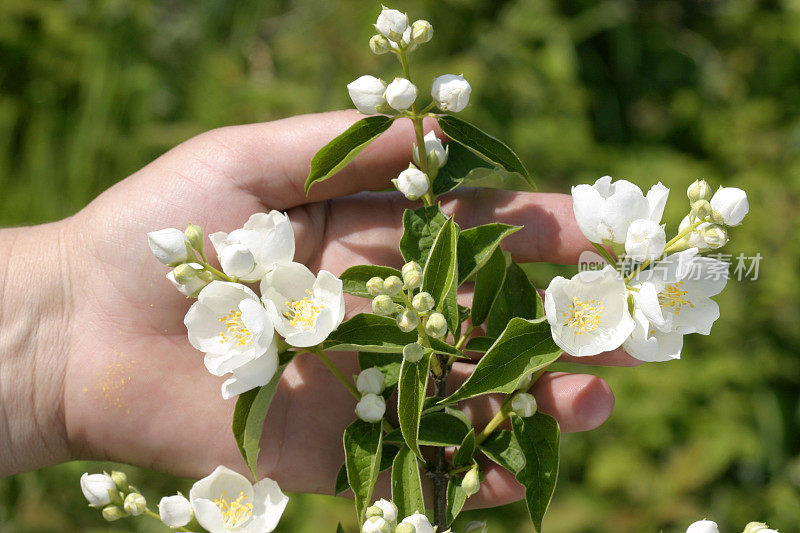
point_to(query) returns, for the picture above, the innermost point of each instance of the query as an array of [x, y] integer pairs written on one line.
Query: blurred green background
[[666, 90]]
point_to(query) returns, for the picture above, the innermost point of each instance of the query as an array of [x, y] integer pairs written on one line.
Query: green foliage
[[406, 483], [355, 278], [411, 389], [488, 283], [476, 245], [440, 276], [420, 228], [456, 498], [439, 428], [362, 452], [465, 452], [517, 298]]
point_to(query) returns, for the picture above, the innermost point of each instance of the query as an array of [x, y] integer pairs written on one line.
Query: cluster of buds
[[372, 406], [709, 526], [113, 494], [726, 207], [381, 517], [177, 248]]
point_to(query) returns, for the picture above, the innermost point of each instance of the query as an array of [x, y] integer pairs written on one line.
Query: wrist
[[34, 289]]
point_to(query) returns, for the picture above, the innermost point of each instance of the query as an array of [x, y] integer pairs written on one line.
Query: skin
[[94, 359]]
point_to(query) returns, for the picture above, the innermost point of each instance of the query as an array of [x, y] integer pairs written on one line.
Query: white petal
[[657, 200], [209, 515], [256, 373], [585, 204], [222, 479], [269, 502]]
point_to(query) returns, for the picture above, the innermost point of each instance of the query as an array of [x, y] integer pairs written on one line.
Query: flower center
[[234, 512], [235, 330], [302, 314], [674, 297], [583, 316]]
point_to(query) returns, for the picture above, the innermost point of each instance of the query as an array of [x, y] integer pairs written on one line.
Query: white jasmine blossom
[[703, 526], [645, 240], [376, 524], [412, 182], [420, 522], [648, 343], [367, 94], [370, 408], [400, 94], [432, 146], [605, 210], [304, 308], [392, 23], [170, 246], [175, 511], [524, 404], [732, 205], [268, 238], [588, 314], [388, 509], [96, 487], [451, 92], [226, 501], [371, 380], [229, 324], [189, 278]]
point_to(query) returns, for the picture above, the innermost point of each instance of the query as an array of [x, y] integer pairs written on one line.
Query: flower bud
[[418, 521], [732, 205], [383, 305], [392, 23], [373, 511], [194, 234], [120, 480], [699, 190], [407, 320], [175, 511], [701, 209], [525, 382], [423, 302], [379, 44], [451, 92], [703, 526], [388, 509], [436, 326], [371, 381], [376, 524], [392, 285], [412, 275], [367, 94], [412, 182], [758, 527], [421, 32], [645, 240], [170, 246], [135, 504], [370, 408], [97, 488], [400, 94], [471, 482], [375, 286], [405, 528], [190, 278], [237, 260], [413, 352], [715, 236], [524, 404], [476, 527], [432, 146], [112, 513]]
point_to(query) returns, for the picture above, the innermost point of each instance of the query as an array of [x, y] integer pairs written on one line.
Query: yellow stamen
[[234, 512], [674, 297], [302, 314], [583, 317], [235, 330]]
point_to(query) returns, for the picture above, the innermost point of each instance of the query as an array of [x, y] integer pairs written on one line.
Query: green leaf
[[463, 455], [523, 348], [461, 161], [488, 283], [406, 484], [354, 279], [517, 298], [440, 277], [420, 228], [538, 437], [388, 452], [439, 428], [362, 452], [483, 144], [339, 528], [456, 498], [479, 344], [332, 157], [410, 397], [476, 245], [502, 448], [387, 363], [248, 419]]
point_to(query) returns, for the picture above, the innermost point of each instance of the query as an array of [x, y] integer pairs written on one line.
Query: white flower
[[605, 210], [758, 527], [391, 23], [400, 94], [371, 381], [226, 501], [189, 278], [645, 240], [588, 314], [95, 488], [269, 239], [175, 511], [376, 524], [229, 324], [367, 94], [674, 295], [695, 238], [412, 182], [370, 408], [305, 309], [435, 146], [389, 510], [420, 523], [451, 92], [650, 344], [524, 404], [731, 203], [703, 526], [134, 504], [170, 246]]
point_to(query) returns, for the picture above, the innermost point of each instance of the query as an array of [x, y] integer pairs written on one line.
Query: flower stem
[[498, 419], [605, 254], [154, 515], [322, 356], [216, 272]]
